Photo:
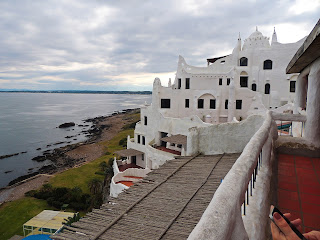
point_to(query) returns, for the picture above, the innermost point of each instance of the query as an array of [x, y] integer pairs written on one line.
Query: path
[[167, 204]]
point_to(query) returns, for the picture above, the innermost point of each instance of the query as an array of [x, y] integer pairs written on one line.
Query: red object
[[299, 189]]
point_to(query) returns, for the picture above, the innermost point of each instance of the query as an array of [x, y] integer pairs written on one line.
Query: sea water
[[29, 121]]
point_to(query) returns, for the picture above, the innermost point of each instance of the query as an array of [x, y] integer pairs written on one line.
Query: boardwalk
[[167, 204]]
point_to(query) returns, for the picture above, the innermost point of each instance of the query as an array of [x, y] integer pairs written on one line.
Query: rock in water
[[39, 158], [66, 125]]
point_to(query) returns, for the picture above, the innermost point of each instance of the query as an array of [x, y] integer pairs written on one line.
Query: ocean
[[29, 124]]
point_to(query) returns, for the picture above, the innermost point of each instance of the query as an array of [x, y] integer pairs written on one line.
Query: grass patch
[[15, 214], [81, 176]]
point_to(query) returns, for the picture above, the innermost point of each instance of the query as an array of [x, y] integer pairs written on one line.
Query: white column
[[301, 93], [312, 130]]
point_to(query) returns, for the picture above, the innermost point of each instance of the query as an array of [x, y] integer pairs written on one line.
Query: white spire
[[274, 36]]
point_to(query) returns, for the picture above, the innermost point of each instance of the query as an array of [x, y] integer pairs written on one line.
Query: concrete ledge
[[296, 146]]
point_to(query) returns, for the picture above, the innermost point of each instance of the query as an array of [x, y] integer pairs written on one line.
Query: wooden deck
[[167, 204]]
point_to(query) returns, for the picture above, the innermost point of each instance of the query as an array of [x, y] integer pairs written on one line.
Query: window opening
[[267, 64], [292, 86], [200, 103], [267, 88], [186, 103], [179, 83], [145, 120], [165, 103], [187, 83], [243, 61], [212, 104], [143, 140], [238, 104], [138, 138], [243, 81], [254, 87], [220, 81], [228, 81], [226, 104]]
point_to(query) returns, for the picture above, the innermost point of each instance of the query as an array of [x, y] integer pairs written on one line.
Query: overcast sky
[[124, 45]]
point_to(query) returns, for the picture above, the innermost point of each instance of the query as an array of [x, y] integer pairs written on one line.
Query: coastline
[[103, 128]]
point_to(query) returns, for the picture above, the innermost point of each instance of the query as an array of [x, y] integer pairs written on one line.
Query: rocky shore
[[60, 159]]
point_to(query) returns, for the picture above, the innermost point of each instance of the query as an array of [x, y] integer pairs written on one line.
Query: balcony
[[270, 170]]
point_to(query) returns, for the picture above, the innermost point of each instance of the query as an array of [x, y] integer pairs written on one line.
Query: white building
[[250, 80]]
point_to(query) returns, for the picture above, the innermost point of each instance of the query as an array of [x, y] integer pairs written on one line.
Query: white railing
[[296, 121], [240, 206]]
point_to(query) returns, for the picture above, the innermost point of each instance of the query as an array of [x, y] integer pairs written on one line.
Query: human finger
[[284, 226], [297, 223], [287, 215], [275, 231]]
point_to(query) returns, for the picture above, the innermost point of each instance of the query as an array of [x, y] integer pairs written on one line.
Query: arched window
[[267, 88], [243, 61], [267, 64], [254, 87]]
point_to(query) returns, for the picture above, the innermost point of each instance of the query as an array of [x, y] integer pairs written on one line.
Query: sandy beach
[[103, 129]]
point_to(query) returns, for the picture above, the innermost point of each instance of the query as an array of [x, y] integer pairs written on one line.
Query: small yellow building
[[46, 222]]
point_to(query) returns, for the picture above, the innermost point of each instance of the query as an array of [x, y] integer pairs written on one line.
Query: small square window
[[165, 103], [220, 81], [238, 104], [243, 81]]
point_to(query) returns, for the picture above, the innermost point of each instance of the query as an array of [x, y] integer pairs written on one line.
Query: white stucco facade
[[251, 80]]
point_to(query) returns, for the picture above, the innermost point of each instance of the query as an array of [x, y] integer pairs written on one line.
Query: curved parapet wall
[[115, 187]]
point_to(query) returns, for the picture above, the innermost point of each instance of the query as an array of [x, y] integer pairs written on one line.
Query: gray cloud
[[97, 44]]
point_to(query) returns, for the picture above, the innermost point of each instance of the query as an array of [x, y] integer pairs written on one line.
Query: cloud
[[78, 44]]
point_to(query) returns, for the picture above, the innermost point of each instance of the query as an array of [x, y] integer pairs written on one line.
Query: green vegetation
[[15, 214]]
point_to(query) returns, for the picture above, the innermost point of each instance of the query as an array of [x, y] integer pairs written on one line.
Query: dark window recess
[[179, 145], [145, 120], [220, 81], [238, 104], [243, 81], [228, 81], [138, 138], [226, 104], [292, 86], [142, 157], [212, 104], [267, 88], [186, 103], [200, 103], [243, 61], [179, 83], [165, 103], [143, 140], [254, 87], [267, 64], [187, 83]]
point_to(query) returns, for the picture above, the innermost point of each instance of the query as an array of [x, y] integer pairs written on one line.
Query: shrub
[[123, 142], [102, 166]]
